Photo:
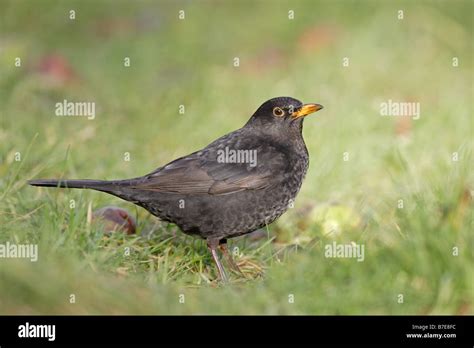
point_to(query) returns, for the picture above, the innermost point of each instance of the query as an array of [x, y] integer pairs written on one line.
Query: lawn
[[401, 186]]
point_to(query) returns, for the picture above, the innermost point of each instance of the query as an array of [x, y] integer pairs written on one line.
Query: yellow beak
[[306, 109]]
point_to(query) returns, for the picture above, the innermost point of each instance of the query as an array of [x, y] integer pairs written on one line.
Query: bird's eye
[[278, 112]]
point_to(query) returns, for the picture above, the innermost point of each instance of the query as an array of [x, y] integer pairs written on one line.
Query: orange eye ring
[[278, 112]]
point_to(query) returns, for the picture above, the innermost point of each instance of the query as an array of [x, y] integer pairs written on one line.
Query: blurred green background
[[408, 251]]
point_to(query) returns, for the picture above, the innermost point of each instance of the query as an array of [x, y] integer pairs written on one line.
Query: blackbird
[[237, 184]]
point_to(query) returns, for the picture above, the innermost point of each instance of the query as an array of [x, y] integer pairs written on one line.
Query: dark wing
[[209, 172]]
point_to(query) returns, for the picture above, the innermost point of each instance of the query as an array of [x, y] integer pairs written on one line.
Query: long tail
[[119, 188], [101, 185]]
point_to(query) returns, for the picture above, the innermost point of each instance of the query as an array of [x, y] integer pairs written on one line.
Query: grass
[[408, 251]]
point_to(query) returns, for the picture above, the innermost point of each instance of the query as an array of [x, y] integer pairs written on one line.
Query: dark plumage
[[208, 194]]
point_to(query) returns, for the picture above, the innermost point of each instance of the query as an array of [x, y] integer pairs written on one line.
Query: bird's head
[[282, 112]]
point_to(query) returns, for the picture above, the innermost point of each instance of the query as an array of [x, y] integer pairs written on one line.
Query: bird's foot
[[213, 244], [230, 259]]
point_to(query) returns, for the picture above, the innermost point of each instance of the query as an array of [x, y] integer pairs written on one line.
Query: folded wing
[[209, 172]]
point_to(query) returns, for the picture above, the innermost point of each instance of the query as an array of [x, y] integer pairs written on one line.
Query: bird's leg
[[212, 244], [228, 256]]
